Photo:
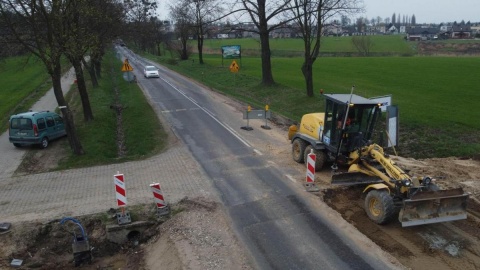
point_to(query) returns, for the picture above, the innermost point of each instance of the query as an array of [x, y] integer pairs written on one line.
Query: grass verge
[[144, 135]]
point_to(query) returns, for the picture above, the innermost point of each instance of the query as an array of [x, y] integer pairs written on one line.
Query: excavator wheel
[[298, 149], [319, 160], [379, 206]]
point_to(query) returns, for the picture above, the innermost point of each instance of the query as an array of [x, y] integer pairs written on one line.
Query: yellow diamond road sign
[[126, 66], [234, 67]]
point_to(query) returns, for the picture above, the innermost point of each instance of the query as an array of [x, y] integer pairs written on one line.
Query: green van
[[35, 128]]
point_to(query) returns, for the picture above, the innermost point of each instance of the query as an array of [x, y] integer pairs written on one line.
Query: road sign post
[[266, 121], [127, 69]]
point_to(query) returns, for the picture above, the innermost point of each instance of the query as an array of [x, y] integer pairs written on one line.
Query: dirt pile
[[448, 245]]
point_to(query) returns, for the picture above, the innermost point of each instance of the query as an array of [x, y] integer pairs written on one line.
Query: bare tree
[[183, 29], [311, 16], [38, 26], [75, 45], [363, 44], [138, 14], [201, 13], [261, 13]]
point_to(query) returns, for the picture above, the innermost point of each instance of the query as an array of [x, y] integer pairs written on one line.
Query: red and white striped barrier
[[162, 207], [158, 195], [120, 190], [310, 180], [123, 217], [311, 167]]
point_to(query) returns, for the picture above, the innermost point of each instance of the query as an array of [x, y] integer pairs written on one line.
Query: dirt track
[[450, 245]]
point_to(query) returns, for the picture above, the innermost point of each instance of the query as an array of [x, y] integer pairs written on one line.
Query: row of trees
[[193, 16], [74, 29]]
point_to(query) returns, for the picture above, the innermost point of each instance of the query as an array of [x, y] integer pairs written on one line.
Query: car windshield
[[21, 123], [150, 68]]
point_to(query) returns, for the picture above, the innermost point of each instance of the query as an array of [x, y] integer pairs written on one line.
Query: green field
[[393, 45]]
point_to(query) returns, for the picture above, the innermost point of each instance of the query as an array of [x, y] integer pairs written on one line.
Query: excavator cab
[[389, 191], [349, 124]]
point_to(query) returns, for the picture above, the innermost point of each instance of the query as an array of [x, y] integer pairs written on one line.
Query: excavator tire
[[379, 206], [319, 160], [298, 149]]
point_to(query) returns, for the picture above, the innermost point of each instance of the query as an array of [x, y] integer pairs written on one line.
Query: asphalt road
[[282, 228]]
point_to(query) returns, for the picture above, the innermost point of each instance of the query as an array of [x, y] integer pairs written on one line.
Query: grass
[[23, 82], [391, 45], [436, 95], [144, 135]]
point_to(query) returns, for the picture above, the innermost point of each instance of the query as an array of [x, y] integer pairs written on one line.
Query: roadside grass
[[144, 135], [23, 81], [436, 96]]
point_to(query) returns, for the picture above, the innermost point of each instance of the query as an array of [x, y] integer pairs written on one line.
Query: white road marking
[[291, 178], [233, 132], [258, 152]]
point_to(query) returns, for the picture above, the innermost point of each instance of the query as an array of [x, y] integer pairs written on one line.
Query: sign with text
[[231, 52]]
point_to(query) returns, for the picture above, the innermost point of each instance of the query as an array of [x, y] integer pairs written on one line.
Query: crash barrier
[[162, 207], [257, 114], [123, 216], [310, 179]]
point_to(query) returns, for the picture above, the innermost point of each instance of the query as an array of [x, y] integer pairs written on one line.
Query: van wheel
[[44, 142], [17, 145]]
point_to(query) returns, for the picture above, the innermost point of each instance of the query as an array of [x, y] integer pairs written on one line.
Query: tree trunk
[[307, 71], [159, 49], [200, 44], [267, 77], [82, 90], [75, 144], [98, 67], [91, 72], [200, 48]]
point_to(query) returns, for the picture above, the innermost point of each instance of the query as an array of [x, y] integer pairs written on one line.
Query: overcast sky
[[425, 11]]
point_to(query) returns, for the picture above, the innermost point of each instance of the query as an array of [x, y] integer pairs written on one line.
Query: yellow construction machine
[[342, 136]]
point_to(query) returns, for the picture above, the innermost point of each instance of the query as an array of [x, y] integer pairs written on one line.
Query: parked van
[[35, 128]]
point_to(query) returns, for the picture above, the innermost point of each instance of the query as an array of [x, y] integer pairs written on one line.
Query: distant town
[[412, 31]]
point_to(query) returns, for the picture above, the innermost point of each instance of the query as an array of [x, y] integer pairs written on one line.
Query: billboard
[[231, 52]]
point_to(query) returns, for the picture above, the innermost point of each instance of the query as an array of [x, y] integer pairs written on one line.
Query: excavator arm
[[420, 201]]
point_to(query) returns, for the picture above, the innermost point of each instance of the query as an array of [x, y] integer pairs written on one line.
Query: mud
[[448, 245]]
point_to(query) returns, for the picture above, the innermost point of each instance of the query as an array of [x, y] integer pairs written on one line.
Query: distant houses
[[422, 32]]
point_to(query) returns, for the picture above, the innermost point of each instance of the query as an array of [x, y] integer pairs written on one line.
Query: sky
[[425, 11]]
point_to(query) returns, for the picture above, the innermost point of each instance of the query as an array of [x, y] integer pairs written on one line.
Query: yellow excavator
[[342, 136]]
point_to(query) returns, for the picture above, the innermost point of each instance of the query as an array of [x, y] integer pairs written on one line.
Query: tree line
[[75, 29]]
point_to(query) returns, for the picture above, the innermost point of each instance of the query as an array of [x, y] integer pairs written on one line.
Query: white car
[[150, 71]]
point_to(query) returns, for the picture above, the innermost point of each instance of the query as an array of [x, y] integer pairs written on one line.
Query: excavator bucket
[[354, 178], [434, 206]]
